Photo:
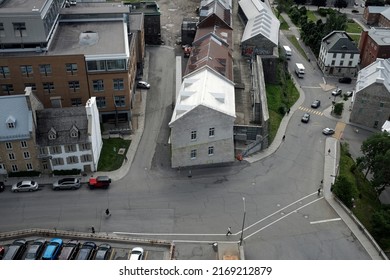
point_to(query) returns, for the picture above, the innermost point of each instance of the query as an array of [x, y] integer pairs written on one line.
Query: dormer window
[[52, 134], [11, 122], [74, 132]]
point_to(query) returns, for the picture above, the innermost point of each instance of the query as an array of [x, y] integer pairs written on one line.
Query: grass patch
[[283, 25], [282, 95], [366, 202], [109, 158], [295, 42], [311, 16], [355, 37], [353, 27]]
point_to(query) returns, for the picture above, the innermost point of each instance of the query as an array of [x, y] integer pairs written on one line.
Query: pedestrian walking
[[284, 137], [229, 231], [93, 229], [108, 212], [288, 111], [329, 152], [125, 158], [319, 191]]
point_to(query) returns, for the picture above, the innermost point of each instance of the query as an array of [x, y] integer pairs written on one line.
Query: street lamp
[[243, 222]]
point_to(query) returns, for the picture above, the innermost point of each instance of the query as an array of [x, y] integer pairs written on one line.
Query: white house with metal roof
[[203, 119], [261, 34], [371, 101], [339, 55]]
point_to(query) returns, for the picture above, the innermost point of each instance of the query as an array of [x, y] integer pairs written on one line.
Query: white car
[[328, 131], [25, 186], [143, 84], [137, 254]]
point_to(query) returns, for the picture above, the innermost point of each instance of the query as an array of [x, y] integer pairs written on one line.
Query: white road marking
[[325, 221]]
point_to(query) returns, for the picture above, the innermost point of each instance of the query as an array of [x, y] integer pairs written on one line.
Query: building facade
[[377, 16], [371, 101], [374, 44], [339, 56], [18, 147]]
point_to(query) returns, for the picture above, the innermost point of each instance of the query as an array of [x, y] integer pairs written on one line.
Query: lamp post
[[243, 222]]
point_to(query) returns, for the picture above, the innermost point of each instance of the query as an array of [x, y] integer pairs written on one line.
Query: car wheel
[[15, 191], [30, 190], [73, 188], [56, 189]]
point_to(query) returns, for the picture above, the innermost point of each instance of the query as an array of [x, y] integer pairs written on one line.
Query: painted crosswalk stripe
[[325, 221]]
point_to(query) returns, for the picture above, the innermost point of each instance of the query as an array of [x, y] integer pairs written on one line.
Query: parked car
[[66, 184], [25, 186], [137, 254], [99, 182], [86, 251], [316, 104], [53, 249], [349, 93], [328, 131], [337, 92], [35, 250], [305, 118], [345, 80], [69, 250], [103, 252], [143, 84], [16, 250]]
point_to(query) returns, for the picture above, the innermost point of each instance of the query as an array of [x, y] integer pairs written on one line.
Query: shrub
[[24, 174], [67, 172]]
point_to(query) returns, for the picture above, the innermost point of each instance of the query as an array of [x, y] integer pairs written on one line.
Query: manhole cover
[[121, 151]]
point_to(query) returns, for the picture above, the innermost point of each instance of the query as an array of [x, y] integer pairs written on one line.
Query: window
[[23, 144], [31, 85], [2, 31], [118, 64], [211, 131], [352, 55], [343, 55], [8, 145], [120, 101], [55, 150], [85, 158], [26, 155], [74, 133], [334, 55], [376, 124], [85, 146], [98, 85], [341, 62], [381, 104], [101, 102], [193, 135], [72, 159], [27, 70], [4, 71], [118, 84], [211, 150], [70, 148], [45, 165], [57, 161], [96, 65], [45, 69], [14, 168], [350, 63], [193, 154], [8, 88], [74, 85], [11, 124], [71, 68], [48, 87], [333, 62], [42, 151], [19, 29], [11, 156], [29, 166], [76, 102]]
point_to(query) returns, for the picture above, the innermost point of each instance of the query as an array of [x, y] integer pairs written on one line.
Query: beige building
[[18, 148]]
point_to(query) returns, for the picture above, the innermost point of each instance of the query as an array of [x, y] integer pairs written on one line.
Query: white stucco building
[[203, 119]]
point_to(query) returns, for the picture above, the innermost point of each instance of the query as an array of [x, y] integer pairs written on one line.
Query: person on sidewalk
[[229, 231], [93, 229], [108, 214], [319, 192], [284, 137]]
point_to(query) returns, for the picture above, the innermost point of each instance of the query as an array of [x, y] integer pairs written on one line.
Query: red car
[[99, 182]]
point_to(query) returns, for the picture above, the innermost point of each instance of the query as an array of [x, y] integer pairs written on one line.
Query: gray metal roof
[[380, 35], [62, 120], [376, 72], [339, 42], [15, 108]]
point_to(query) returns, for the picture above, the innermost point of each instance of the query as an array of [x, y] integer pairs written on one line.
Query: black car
[[103, 252], [345, 80], [316, 104], [35, 249], [69, 250], [86, 251]]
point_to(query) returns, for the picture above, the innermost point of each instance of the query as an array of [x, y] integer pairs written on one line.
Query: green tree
[[381, 223], [340, 4], [342, 188], [338, 108], [374, 146], [381, 171]]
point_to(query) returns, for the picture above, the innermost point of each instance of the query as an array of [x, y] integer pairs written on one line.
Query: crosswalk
[[311, 111]]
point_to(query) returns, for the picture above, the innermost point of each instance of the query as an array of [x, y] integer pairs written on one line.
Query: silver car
[[137, 253], [66, 184], [25, 186]]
